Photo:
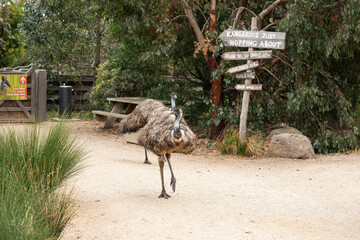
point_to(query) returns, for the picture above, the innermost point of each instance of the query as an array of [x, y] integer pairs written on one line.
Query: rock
[[290, 145], [284, 130]]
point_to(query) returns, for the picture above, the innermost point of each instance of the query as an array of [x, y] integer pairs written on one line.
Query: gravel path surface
[[217, 197]]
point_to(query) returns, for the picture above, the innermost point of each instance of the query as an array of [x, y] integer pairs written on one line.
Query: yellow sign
[[13, 87]]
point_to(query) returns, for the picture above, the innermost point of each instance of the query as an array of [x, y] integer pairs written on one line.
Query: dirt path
[[217, 197]]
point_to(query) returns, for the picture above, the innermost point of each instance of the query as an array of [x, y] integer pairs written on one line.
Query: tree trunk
[[216, 93], [97, 61]]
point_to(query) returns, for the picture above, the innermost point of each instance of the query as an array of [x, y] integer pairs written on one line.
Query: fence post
[[41, 95]]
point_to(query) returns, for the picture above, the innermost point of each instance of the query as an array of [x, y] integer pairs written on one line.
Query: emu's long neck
[[173, 97], [177, 121]]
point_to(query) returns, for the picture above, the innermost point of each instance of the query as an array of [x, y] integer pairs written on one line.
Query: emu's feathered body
[[140, 116], [162, 131], [165, 133], [159, 136]]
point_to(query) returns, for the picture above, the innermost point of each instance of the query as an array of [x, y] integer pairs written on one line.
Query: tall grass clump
[[231, 144], [33, 164]]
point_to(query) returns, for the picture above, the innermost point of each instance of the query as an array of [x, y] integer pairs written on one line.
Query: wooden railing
[[81, 87]]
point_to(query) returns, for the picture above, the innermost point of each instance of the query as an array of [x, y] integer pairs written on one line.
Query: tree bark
[[98, 33], [216, 92], [194, 25], [243, 3]]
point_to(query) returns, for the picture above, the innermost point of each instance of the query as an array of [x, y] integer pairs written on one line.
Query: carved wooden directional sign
[[253, 87], [244, 67], [253, 39], [246, 75], [247, 55]]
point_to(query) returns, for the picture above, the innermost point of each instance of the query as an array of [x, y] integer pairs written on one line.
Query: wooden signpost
[[244, 67], [252, 87], [251, 39], [246, 75], [247, 55]]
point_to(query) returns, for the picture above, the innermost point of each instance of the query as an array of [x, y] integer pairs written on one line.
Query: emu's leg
[[146, 158], [173, 179], [163, 193]]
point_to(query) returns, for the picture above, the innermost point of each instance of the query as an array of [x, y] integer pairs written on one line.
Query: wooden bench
[[127, 104], [103, 116]]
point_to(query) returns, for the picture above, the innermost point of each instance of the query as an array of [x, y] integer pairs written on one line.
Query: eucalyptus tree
[[311, 85], [318, 90], [65, 35], [11, 45]]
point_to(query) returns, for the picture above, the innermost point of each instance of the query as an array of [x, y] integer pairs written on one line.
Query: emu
[[165, 133], [4, 84], [141, 115]]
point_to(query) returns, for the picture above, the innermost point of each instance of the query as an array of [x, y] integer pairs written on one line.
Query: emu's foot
[[163, 194], [147, 161], [173, 183]]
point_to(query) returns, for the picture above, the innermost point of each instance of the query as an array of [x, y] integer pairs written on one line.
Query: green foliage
[[336, 141], [111, 82], [321, 96], [310, 85], [11, 43], [61, 35], [314, 88], [33, 164]]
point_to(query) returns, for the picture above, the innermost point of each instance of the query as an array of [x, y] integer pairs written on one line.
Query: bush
[[33, 164], [111, 82]]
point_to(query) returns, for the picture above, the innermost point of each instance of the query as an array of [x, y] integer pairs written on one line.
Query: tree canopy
[[11, 43], [150, 48]]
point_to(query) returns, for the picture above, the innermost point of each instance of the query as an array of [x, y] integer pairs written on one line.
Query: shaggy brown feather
[[140, 116], [158, 134]]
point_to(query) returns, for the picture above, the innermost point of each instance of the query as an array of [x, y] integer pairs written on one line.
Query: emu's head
[[173, 96]]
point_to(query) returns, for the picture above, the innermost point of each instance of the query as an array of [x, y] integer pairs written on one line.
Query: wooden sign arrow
[[253, 39], [247, 55], [246, 75], [253, 87], [244, 67]]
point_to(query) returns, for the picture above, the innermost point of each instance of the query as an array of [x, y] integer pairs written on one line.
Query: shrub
[[33, 164], [111, 82]]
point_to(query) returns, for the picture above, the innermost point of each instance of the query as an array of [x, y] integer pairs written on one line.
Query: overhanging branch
[[194, 24], [271, 8]]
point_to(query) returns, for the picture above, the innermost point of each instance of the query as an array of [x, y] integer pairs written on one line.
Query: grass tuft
[[33, 164], [231, 144]]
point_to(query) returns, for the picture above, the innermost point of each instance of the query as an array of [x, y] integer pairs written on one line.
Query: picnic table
[[125, 104]]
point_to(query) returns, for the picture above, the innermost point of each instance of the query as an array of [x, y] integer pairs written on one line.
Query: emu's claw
[[173, 183], [147, 161], [163, 194]]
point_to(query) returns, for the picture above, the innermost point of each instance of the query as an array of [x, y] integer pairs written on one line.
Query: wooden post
[[246, 96], [116, 109], [33, 96], [41, 95]]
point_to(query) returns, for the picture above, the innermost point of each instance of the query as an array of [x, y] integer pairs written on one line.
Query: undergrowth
[[254, 145]]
